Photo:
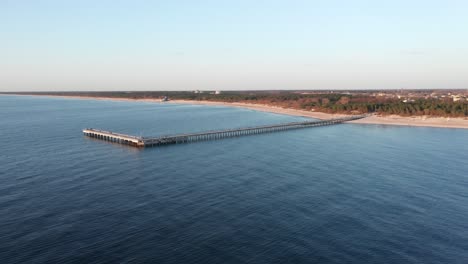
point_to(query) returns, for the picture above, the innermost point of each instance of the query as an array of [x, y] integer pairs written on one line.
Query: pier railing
[[210, 135]]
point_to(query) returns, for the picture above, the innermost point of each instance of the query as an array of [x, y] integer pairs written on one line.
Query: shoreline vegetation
[[378, 118]]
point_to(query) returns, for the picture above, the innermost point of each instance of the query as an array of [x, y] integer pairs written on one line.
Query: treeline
[[419, 107], [320, 102]]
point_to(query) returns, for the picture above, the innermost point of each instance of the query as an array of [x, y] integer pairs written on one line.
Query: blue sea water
[[348, 193]]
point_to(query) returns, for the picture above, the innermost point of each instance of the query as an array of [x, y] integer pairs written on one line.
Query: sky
[[108, 45]]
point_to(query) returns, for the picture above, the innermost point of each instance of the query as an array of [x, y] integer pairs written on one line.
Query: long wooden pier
[[209, 135]]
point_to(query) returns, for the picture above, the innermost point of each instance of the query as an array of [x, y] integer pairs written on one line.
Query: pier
[[209, 135]]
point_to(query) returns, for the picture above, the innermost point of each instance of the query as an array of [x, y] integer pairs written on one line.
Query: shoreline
[[417, 121]]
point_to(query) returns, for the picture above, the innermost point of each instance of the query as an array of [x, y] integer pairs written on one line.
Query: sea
[[348, 193]]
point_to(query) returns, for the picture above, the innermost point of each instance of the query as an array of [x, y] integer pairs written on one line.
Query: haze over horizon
[[226, 45]]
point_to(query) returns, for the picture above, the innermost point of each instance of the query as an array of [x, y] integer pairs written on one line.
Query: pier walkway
[[209, 135]]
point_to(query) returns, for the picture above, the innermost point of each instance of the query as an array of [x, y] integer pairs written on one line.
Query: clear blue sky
[[232, 45]]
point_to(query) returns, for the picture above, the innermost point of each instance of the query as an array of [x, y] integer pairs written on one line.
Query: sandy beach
[[421, 121]]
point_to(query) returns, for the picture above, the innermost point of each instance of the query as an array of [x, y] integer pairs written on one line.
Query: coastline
[[418, 121]]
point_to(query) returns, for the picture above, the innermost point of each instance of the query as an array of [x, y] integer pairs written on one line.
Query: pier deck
[[114, 137], [209, 135]]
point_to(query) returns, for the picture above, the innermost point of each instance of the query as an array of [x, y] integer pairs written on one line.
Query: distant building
[[217, 92]]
